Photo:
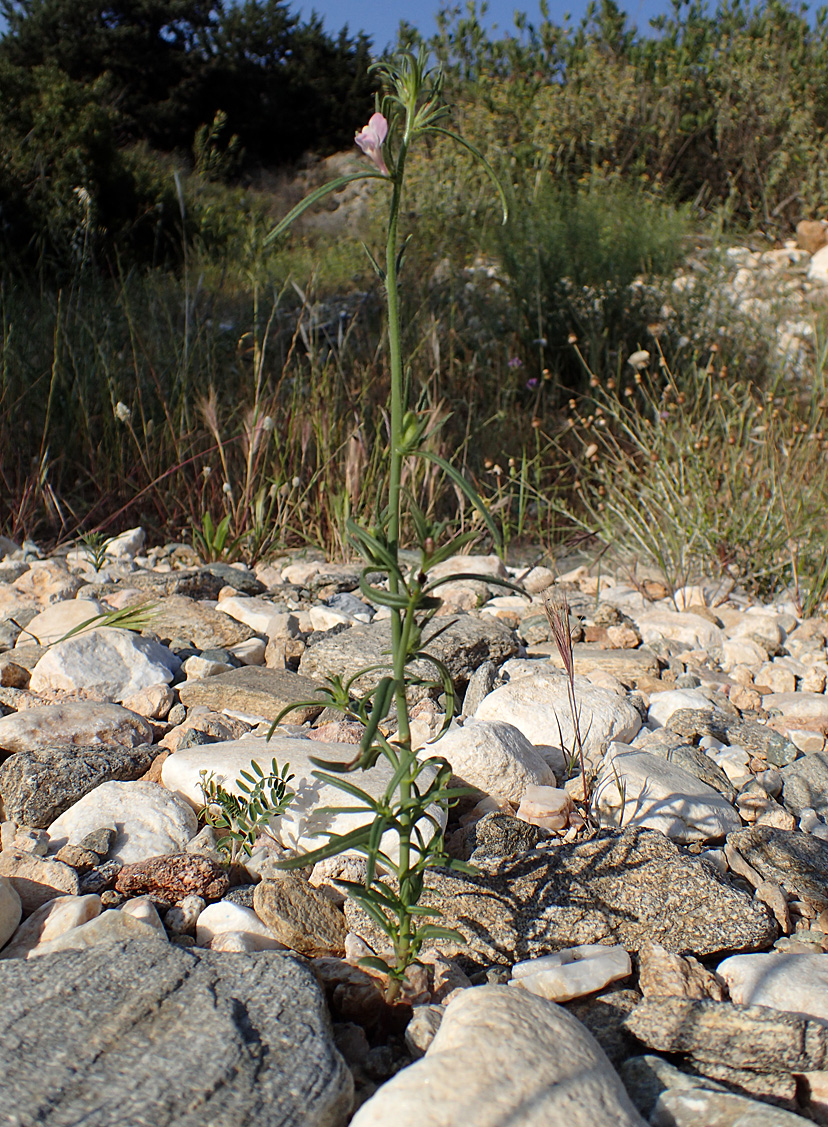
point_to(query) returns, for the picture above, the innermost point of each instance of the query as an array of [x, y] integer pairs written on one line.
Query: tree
[[171, 65]]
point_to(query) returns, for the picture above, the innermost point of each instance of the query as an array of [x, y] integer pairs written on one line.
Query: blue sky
[[381, 20]]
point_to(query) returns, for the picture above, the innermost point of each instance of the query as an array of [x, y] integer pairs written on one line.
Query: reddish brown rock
[[812, 235], [172, 876]]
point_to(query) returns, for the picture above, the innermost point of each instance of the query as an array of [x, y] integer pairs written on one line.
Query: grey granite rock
[[693, 723], [794, 860], [145, 1032], [627, 888], [461, 643], [481, 683], [499, 835], [37, 786], [254, 691], [245, 582], [760, 740], [604, 1015], [805, 784]]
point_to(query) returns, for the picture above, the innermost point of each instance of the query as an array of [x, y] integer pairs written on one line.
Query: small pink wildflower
[[370, 139]]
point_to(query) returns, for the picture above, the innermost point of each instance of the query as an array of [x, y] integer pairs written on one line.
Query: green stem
[[400, 631]]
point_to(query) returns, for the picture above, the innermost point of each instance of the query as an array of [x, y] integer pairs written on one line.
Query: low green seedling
[[244, 817]]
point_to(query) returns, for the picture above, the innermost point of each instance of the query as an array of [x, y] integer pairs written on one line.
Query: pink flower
[[370, 139]]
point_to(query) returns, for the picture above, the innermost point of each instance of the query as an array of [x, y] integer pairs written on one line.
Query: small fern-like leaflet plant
[[402, 837], [244, 817]]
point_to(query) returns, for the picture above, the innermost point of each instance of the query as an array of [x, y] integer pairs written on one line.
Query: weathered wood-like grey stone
[[254, 691], [503, 1056], [627, 888], [145, 1032], [797, 861], [753, 1038], [38, 786]]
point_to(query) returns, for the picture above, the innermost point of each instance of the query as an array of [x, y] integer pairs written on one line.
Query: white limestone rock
[[635, 788], [143, 909], [57, 620], [10, 910], [154, 702], [663, 705], [571, 973], [469, 565], [110, 663], [742, 651], [108, 927], [54, 919], [37, 879], [494, 757], [537, 704], [671, 626], [148, 819], [818, 268], [780, 980], [126, 545], [253, 611], [301, 826], [504, 1056], [226, 917], [75, 723]]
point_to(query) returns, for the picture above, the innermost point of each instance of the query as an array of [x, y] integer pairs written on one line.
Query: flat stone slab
[[253, 690], [627, 888], [143, 1031], [627, 665], [805, 784]]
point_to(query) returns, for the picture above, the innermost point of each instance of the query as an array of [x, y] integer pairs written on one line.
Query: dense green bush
[[726, 107]]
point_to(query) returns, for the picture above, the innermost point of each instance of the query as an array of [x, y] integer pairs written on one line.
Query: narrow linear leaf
[[315, 197], [465, 487]]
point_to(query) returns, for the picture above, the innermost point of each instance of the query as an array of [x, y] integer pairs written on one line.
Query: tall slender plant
[[403, 837]]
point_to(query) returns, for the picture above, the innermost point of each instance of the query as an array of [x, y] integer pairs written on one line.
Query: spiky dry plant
[[556, 606]]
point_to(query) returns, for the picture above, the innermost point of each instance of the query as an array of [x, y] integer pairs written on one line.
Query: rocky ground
[[669, 967]]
